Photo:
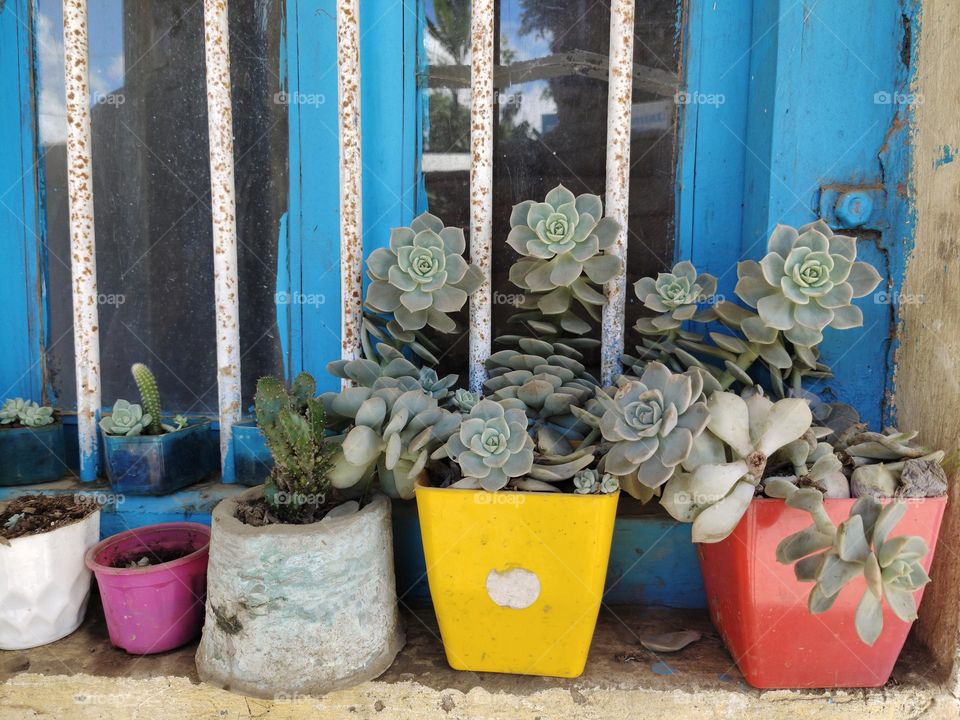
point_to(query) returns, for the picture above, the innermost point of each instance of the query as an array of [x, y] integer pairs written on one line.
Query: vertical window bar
[[619, 106], [83, 264], [351, 175], [481, 181], [223, 206]]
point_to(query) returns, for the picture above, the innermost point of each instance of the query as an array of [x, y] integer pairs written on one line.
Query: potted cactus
[[755, 470], [148, 453], [300, 585], [31, 443], [44, 584]]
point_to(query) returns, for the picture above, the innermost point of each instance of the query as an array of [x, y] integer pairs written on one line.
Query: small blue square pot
[[32, 455], [160, 464], [252, 461]]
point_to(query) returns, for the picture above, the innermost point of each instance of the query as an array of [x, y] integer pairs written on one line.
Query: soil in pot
[[33, 514], [150, 558], [258, 513]]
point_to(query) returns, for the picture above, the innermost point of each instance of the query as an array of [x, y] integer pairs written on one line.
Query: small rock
[[922, 478], [670, 642], [447, 703], [379, 706], [876, 480], [347, 508]]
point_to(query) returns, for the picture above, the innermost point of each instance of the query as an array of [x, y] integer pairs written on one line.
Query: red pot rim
[[91, 557]]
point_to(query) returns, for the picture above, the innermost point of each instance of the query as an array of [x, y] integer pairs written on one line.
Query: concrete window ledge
[[82, 676]]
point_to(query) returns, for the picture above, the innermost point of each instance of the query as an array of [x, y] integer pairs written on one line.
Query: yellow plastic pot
[[516, 577]]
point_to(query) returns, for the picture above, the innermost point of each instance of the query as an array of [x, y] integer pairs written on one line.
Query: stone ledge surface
[[83, 677]]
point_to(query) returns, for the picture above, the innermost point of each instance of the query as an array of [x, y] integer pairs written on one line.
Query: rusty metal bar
[[83, 265], [619, 102], [481, 182], [223, 209], [351, 177]]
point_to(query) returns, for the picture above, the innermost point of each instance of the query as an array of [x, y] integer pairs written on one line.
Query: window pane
[[152, 195], [551, 94]]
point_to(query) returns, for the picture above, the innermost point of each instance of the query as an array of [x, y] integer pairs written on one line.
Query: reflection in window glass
[[152, 195], [551, 95]]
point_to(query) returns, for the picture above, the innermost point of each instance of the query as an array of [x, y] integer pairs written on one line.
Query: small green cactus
[[149, 397], [126, 419]]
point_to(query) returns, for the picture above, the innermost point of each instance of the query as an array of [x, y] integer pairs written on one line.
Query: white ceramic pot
[[45, 584], [299, 609]]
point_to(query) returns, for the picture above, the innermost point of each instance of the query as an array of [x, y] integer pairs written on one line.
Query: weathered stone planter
[[31, 455], [299, 609], [44, 584]]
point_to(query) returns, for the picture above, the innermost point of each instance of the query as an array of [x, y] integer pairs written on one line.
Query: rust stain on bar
[[223, 206], [351, 175], [619, 108], [83, 258], [481, 182]]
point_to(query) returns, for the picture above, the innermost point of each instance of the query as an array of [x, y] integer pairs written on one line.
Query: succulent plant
[[675, 295], [716, 492], [651, 424], [36, 416], [12, 410], [876, 462], [125, 419], [180, 422], [491, 445], [293, 424], [590, 481], [149, 397], [387, 429], [464, 400], [561, 239], [806, 282], [545, 381], [814, 464], [861, 546], [422, 275]]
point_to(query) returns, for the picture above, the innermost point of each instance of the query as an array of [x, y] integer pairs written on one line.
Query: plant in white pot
[[44, 583], [758, 469], [300, 583]]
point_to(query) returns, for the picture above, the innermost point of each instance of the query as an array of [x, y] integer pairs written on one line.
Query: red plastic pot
[[153, 608], [760, 609]]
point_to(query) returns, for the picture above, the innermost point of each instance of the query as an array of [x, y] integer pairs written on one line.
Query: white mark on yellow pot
[[515, 588]]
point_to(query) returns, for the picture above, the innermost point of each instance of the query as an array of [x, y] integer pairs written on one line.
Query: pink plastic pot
[[153, 608]]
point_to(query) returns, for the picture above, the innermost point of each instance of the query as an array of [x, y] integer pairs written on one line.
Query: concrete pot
[[44, 584], [299, 609]]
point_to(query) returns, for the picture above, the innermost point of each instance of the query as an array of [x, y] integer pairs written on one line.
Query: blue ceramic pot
[[160, 464], [32, 455], [252, 461]]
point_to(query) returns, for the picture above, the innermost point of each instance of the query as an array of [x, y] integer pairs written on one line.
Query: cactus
[[294, 427], [149, 397], [125, 419], [832, 556]]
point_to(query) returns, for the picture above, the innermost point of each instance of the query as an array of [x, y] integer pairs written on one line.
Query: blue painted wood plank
[[21, 245]]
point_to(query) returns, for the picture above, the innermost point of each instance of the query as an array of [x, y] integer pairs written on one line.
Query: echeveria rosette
[[651, 424], [125, 419], [675, 295], [422, 275], [805, 283], [561, 239], [37, 416], [13, 410], [492, 445]]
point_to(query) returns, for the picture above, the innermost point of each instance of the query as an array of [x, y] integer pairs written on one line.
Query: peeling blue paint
[[948, 156]]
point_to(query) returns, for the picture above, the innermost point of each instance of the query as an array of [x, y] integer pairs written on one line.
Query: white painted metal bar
[[83, 265], [351, 177], [481, 182], [223, 209], [619, 106]]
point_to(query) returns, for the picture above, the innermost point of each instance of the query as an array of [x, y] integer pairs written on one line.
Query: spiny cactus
[[25, 412], [149, 397], [125, 419], [294, 427], [832, 556]]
